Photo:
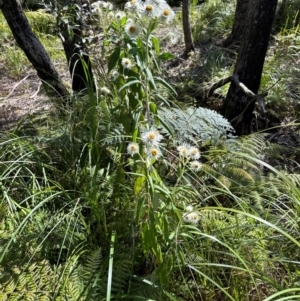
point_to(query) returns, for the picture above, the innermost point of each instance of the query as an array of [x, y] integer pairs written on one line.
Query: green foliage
[[41, 22], [123, 196], [196, 126]]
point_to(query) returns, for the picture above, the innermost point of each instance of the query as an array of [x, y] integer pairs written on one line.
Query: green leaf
[[164, 83], [129, 84], [138, 184], [150, 78], [156, 46], [153, 108], [166, 56], [113, 60]]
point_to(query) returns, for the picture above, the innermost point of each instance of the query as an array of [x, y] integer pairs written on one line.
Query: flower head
[[167, 14], [152, 137], [153, 152], [105, 90], [191, 217], [183, 151], [133, 5], [194, 153], [195, 166], [172, 38], [115, 74], [119, 15], [133, 148], [189, 208], [150, 8], [132, 29], [126, 63]]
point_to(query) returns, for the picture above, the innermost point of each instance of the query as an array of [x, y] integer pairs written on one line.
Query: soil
[[23, 96]]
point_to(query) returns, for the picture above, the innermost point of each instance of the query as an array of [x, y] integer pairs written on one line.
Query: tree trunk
[[76, 53], [250, 63], [31, 46], [188, 40], [79, 63], [239, 24]]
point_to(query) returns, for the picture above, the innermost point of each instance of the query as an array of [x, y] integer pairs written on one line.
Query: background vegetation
[[93, 208]]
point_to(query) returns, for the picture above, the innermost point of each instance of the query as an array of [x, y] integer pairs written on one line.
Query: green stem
[[147, 84]]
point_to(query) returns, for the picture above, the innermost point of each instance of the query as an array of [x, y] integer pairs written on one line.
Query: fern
[[195, 125]]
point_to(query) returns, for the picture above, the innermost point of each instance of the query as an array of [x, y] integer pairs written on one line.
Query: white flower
[[195, 165], [132, 5], [183, 151], [189, 208], [167, 14], [192, 217], [105, 90], [110, 15], [132, 29], [150, 8], [133, 148], [153, 152], [110, 6], [96, 4], [152, 137], [115, 74], [172, 38], [126, 63], [194, 153], [119, 15]]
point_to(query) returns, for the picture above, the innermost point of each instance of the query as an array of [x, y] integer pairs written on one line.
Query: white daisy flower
[[183, 151], [105, 90], [132, 29], [189, 208], [96, 4], [110, 6], [195, 166], [133, 148], [192, 217], [167, 14], [152, 137], [154, 152], [126, 63], [150, 9], [110, 15], [115, 74], [132, 5], [119, 15], [194, 153], [173, 38], [103, 4]]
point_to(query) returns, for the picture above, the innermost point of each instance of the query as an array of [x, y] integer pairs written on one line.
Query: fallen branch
[[14, 88], [235, 78]]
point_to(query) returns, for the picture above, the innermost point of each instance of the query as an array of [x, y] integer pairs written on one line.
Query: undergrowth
[[129, 194]]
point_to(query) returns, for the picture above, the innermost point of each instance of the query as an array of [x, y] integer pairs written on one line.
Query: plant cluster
[[127, 196]]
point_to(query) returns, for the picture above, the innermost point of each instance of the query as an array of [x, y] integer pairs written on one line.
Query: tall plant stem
[[147, 84]]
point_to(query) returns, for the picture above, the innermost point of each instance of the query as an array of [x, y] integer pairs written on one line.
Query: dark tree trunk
[[79, 63], [250, 63], [188, 40], [72, 38], [31, 45], [239, 24]]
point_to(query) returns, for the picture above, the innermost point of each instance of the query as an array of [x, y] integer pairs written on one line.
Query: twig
[[14, 88], [37, 91], [235, 78]]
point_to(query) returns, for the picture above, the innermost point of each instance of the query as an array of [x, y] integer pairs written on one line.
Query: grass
[[83, 219]]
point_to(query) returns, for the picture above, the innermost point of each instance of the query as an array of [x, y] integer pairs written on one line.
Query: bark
[[31, 46], [79, 63], [239, 24], [250, 63], [188, 40], [76, 53]]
